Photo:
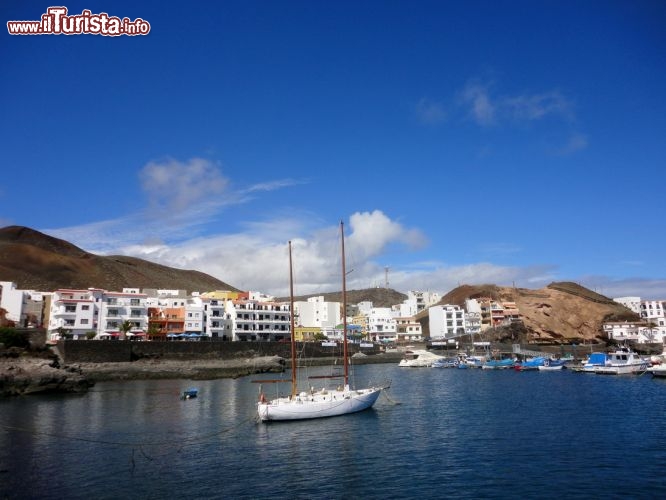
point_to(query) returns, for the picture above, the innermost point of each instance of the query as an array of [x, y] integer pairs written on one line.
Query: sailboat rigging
[[325, 402]]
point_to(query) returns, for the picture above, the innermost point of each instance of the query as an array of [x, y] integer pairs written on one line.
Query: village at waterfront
[[150, 333]]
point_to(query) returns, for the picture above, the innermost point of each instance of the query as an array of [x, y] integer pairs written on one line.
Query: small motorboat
[[190, 393]]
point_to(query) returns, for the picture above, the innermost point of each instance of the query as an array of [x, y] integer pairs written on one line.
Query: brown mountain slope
[[36, 261], [562, 312]]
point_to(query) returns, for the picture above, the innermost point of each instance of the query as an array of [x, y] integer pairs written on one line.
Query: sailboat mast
[[291, 316], [344, 304]]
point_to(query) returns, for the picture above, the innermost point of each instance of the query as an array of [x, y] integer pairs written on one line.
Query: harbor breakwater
[[75, 365], [118, 351]]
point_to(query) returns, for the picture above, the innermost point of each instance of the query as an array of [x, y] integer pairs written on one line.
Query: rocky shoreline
[[21, 374]]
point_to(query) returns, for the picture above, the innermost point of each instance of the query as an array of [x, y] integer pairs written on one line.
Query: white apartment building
[[640, 333], [317, 312], [446, 322], [382, 325], [632, 303], [83, 312], [408, 330], [194, 315], [246, 320], [652, 311], [24, 307], [473, 323], [418, 301], [116, 308], [75, 312]]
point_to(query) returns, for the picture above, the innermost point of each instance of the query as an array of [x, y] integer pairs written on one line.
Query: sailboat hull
[[319, 404]]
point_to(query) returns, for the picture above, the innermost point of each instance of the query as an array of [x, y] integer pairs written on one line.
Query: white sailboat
[[324, 402]]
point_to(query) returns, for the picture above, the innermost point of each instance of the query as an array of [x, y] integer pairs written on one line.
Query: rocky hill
[[562, 312], [36, 261]]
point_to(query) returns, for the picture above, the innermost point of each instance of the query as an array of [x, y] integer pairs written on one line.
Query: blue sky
[[515, 143]]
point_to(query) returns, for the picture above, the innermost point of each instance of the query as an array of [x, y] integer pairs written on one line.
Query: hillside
[[562, 312], [36, 261]]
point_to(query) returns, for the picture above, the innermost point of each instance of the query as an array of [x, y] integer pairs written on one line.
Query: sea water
[[437, 433]]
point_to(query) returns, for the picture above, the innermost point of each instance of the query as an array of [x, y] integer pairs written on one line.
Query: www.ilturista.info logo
[[56, 22]]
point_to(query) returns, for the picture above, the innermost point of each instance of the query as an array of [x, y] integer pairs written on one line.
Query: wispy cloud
[[273, 185], [486, 108], [576, 142], [537, 106], [430, 112], [182, 198], [476, 97]]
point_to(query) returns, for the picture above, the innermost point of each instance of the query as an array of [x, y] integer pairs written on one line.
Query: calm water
[[440, 433]]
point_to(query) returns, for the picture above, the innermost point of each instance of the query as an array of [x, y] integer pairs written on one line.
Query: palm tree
[[153, 330], [125, 327], [651, 328], [63, 332]]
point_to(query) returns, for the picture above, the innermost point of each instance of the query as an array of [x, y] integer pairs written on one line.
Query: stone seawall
[[119, 351]]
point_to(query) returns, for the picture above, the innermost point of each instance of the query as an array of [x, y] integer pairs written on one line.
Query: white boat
[[621, 362], [301, 405], [550, 368], [471, 361], [659, 359], [445, 363], [419, 358], [658, 371]]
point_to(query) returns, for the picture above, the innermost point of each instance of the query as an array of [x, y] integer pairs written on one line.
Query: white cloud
[[373, 231], [257, 259], [477, 98], [486, 109], [430, 112], [172, 185]]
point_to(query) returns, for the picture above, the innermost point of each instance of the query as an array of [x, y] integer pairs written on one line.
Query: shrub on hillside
[[12, 338]]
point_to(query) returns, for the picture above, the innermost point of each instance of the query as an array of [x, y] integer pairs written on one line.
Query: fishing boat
[[622, 362], [590, 364], [498, 364], [310, 404], [551, 364], [530, 364]]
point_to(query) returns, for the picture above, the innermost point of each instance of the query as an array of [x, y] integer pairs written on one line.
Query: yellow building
[[306, 333]]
